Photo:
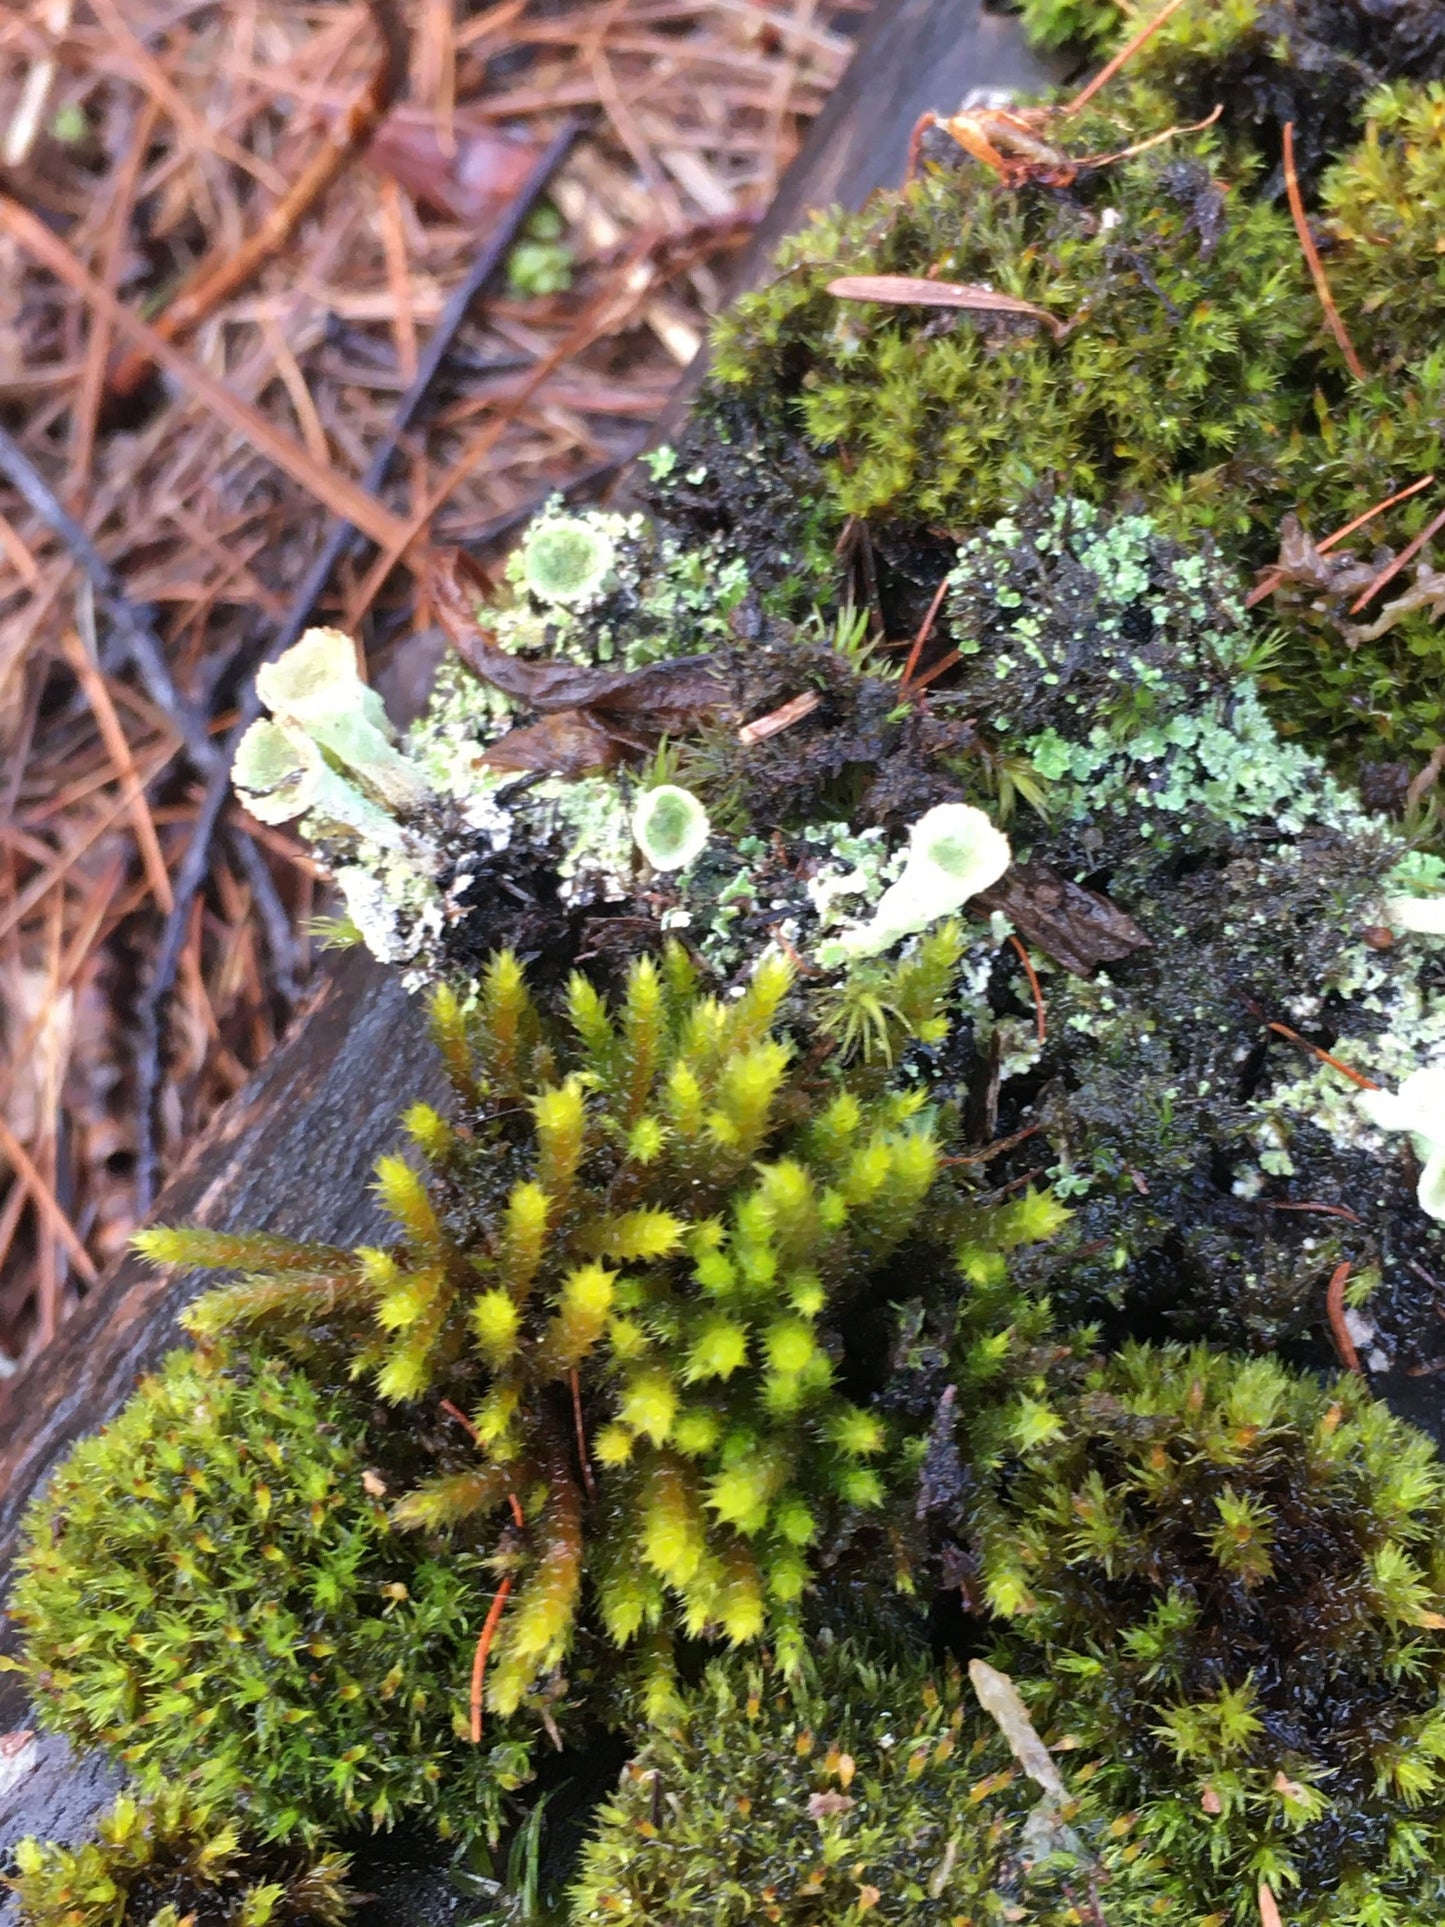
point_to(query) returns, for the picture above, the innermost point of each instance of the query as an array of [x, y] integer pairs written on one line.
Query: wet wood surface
[[293, 1151]]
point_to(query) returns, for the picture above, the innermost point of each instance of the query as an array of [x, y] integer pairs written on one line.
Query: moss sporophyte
[[928, 1014]]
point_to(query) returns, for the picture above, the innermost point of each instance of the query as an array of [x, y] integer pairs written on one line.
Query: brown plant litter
[[148, 153]]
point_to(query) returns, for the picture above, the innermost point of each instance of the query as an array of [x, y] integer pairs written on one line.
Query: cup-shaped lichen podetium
[[671, 827]]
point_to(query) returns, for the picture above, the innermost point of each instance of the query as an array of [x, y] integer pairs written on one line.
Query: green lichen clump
[[1183, 1129], [1233, 1577], [600, 588], [664, 1208], [166, 1862], [210, 1591], [860, 1792]]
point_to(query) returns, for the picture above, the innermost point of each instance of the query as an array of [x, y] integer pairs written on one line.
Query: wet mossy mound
[[863, 1790], [1233, 1578], [167, 1861]]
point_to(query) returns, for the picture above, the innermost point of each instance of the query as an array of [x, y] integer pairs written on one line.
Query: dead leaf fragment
[[571, 743], [373, 1484], [472, 181], [1078, 928], [823, 1806], [914, 291], [1210, 1802], [606, 714], [1002, 1701], [1268, 1907]]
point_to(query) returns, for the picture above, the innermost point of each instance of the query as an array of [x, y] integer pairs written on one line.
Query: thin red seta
[[1315, 1050], [1276, 576], [1405, 555], [925, 631], [454, 1411], [932, 675], [1027, 961], [1312, 258], [1335, 1312], [582, 1453], [479, 1659]]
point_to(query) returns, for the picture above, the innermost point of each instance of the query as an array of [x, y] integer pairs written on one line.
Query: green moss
[[860, 1794], [1386, 202], [1175, 377], [211, 1590], [1194, 376], [1233, 1577], [166, 1862], [1073, 24], [1314, 63], [668, 1208]]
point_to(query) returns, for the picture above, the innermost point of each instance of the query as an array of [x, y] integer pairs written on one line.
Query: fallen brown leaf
[[470, 182], [1078, 928]]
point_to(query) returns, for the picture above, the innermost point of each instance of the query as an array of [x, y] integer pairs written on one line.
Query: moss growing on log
[[1233, 1577], [211, 1590], [166, 1862]]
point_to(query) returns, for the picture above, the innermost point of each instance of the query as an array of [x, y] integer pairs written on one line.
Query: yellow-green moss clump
[[646, 1235], [861, 1793], [1233, 1577], [167, 1862], [209, 1591]]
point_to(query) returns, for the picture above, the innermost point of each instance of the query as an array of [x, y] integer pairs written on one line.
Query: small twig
[[1312, 257], [479, 1660], [1406, 555], [1323, 1210], [43, 1198], [1316, 1050], [336, 491], [780, 719], [1335, 1312], [224, 274], [1422, 784], [1033, 978], [582, 1454], [1107, 73], [280, 939], [925, 630], [996, 1150], [194, 864], [133, 626], [117, 747], [1276, 576]]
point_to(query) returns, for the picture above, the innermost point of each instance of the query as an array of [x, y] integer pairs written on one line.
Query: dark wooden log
[[293, 1151]]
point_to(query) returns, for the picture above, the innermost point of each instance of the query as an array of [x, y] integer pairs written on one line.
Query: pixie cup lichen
[[954, 851], [671, 827], [568, 559], [1419, 1108]]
